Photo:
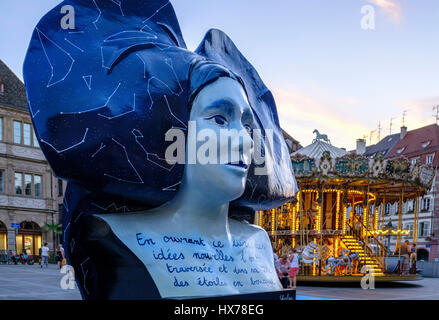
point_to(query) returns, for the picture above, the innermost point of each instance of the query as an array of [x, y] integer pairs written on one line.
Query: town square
[[191, 150]]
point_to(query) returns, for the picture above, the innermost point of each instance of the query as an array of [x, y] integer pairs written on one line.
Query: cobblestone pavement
[[425, 289], [23, 282]]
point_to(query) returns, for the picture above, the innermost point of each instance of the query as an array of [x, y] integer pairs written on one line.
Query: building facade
[[28, 189], [419, 145]]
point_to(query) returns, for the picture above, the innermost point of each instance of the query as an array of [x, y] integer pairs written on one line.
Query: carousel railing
[[355, 229]]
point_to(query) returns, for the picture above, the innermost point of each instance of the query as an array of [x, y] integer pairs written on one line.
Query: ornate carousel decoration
[[337, 219]]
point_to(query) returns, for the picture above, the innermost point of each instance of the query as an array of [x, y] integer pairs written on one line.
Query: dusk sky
[[325, 71]]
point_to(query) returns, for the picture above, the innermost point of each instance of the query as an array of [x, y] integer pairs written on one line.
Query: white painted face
[[220, 171]]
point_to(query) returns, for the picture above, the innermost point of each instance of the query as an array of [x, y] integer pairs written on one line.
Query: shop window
[[3, 237], [28, 238]]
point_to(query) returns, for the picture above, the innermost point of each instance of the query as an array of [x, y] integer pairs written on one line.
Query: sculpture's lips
[[239, 164]]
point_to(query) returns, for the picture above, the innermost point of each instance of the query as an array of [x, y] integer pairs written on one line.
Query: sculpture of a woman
[[104, 98]]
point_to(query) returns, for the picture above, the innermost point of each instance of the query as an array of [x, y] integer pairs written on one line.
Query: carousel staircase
[[365, 259]]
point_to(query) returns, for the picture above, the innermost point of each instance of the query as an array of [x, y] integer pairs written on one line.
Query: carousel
[[337, 221]]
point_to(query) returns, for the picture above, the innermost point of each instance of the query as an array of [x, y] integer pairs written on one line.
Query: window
[[399, 151], [425, 204], [28, 184], [425, 144], [415, 161], [60, 188], [424, 229], [2, 181], [38, 186], [2, 87], [1, 129], [410, 206], [36, 144], [26, 134], [18, 183], [32, 184], [410, 228], [429, 159], [17, 132], [387, 208]]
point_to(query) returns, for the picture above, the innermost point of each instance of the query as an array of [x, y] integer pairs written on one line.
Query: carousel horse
[[345, 260], [308, 255], [320, 136]]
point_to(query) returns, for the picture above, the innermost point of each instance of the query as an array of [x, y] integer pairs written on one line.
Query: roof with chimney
[[316, 149], [12, 90], [418, 144], [383, 147]]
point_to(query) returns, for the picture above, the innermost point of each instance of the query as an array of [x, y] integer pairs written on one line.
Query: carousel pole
[[398, 236], [320, 229], [415, 224], [383, 211]]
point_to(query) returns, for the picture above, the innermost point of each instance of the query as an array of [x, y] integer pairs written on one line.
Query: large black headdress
[[103, 95]]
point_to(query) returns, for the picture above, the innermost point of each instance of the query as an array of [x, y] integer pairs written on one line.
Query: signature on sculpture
[[320, 137], [158, 201]]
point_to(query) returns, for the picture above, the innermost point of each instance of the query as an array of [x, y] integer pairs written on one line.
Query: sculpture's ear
[[279, 185]]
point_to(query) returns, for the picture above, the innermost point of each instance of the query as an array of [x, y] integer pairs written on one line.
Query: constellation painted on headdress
[[49, 84], [137, 134], [171, 188], [88, 82], [119, 3], [129, 161], [135, 35], [74, 45], [99, 16], [100, 148], [113, 204], [79, 215], [31, 111], [85, 274], [122, 114], [94, 109], [169, 108], [71, 147], [157, 11]]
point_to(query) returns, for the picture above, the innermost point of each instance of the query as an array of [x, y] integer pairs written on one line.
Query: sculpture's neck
[[193, 207]]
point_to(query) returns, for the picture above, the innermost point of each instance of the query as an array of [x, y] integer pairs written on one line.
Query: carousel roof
[[322, 162], [316, 149]]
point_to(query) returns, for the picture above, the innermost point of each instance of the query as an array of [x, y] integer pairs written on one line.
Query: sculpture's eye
[[248, 128], [218, 119]]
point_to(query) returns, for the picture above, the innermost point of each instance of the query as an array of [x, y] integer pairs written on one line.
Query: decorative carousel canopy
[[325, 163]]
